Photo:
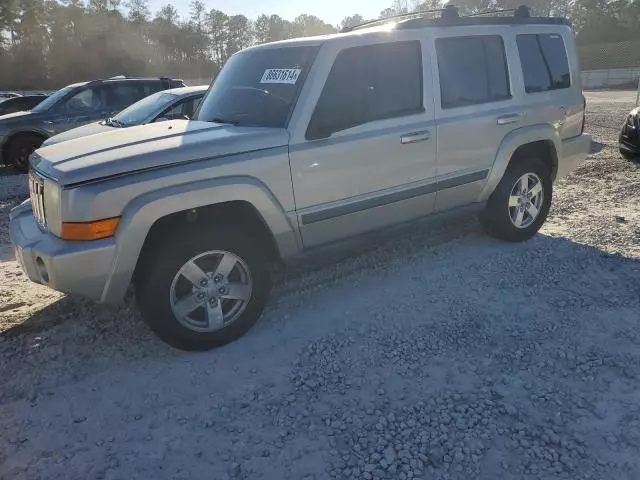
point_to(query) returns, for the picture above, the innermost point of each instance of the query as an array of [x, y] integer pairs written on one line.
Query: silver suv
[[301, 146]]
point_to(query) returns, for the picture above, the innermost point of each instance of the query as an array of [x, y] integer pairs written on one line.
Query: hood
[[91, 129], [11, 118], [126, 150]]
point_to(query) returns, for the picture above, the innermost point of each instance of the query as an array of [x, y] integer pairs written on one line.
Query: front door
[[90, 104], [365, 155]]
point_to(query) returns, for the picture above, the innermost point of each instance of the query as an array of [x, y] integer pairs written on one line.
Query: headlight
[[53, 214]]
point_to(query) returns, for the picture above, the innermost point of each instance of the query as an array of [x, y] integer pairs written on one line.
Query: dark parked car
[[176, 103], [20, 104], [630, 135], [70, 107]]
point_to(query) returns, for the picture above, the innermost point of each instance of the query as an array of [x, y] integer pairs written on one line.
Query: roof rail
[[450, 16], [370, 23]]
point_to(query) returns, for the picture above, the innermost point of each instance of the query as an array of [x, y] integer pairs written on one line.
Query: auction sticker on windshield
[[281, 75]]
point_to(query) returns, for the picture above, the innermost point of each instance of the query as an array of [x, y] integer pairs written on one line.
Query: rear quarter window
[[544, 61]]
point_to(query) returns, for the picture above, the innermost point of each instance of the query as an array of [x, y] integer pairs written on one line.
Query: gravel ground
[[445, 356]]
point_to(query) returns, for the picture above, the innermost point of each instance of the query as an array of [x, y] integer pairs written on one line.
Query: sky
[[331, 11]]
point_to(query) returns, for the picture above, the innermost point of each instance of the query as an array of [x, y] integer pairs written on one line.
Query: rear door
[[475, 109], [362, 151], [123, 94]]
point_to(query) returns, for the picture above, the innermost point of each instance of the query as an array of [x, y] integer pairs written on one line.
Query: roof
[[187, 90], [119, 79], [319, 39], [448, 18]]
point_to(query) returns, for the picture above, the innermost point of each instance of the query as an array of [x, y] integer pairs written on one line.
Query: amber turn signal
[[90, 230]]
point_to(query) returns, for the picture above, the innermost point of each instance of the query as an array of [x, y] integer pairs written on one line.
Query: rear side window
[[473, 70], [371, 83], [124, 94], [544, 62], [152, 87]]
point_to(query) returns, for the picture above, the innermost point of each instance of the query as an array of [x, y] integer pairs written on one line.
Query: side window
[[472, 70], [152, 87], [124, 94], [367, 84], [179, 109], [86, 100], [190, 106], [544, 62]]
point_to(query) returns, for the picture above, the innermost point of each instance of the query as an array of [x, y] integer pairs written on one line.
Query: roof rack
[[450, 16], [370, 23], [127, 77]]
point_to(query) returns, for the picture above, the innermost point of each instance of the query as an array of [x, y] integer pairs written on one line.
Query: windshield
[[140, 111], [259, 87], [51, 100]]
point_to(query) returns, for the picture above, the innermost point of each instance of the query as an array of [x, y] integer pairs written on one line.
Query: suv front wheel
[[203, 289], [520, 203]]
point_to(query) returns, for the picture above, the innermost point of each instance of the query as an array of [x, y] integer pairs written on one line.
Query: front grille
[[36, 192]]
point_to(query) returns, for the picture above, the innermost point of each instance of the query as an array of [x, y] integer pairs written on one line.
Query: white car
[[175, 103]]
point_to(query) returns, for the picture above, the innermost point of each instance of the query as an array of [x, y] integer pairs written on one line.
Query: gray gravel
[[441, 356]]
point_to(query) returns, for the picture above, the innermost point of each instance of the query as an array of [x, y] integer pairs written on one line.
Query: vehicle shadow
[[74, 338], [596, 147]]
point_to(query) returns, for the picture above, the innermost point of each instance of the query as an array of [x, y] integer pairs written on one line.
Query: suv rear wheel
[[203, 289], [520, 203], [19, 150]]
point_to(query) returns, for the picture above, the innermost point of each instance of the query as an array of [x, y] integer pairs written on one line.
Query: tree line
[[46, 44]]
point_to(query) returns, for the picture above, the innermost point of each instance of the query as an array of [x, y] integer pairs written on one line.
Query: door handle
[[507, 119], [415, 137]]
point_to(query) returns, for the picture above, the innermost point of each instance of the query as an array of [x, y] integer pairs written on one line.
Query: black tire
[[20, 148], [628, 155], [496, 220], [153, 284]]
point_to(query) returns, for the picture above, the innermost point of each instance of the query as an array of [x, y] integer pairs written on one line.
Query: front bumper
[[80, 268], [574, 153], [629, 146]]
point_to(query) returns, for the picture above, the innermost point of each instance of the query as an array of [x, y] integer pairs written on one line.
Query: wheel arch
[[160, 211], [15, 134], [533, 140]]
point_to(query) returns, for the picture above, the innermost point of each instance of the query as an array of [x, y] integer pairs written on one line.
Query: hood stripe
[[136, 142], [262, 151]]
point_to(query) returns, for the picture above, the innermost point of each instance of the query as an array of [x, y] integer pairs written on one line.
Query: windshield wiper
[[222, 120], [112, 122]]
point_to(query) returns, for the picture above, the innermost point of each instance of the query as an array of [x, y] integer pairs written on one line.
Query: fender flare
[[511, 142], [30, 131], [142, 212]]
